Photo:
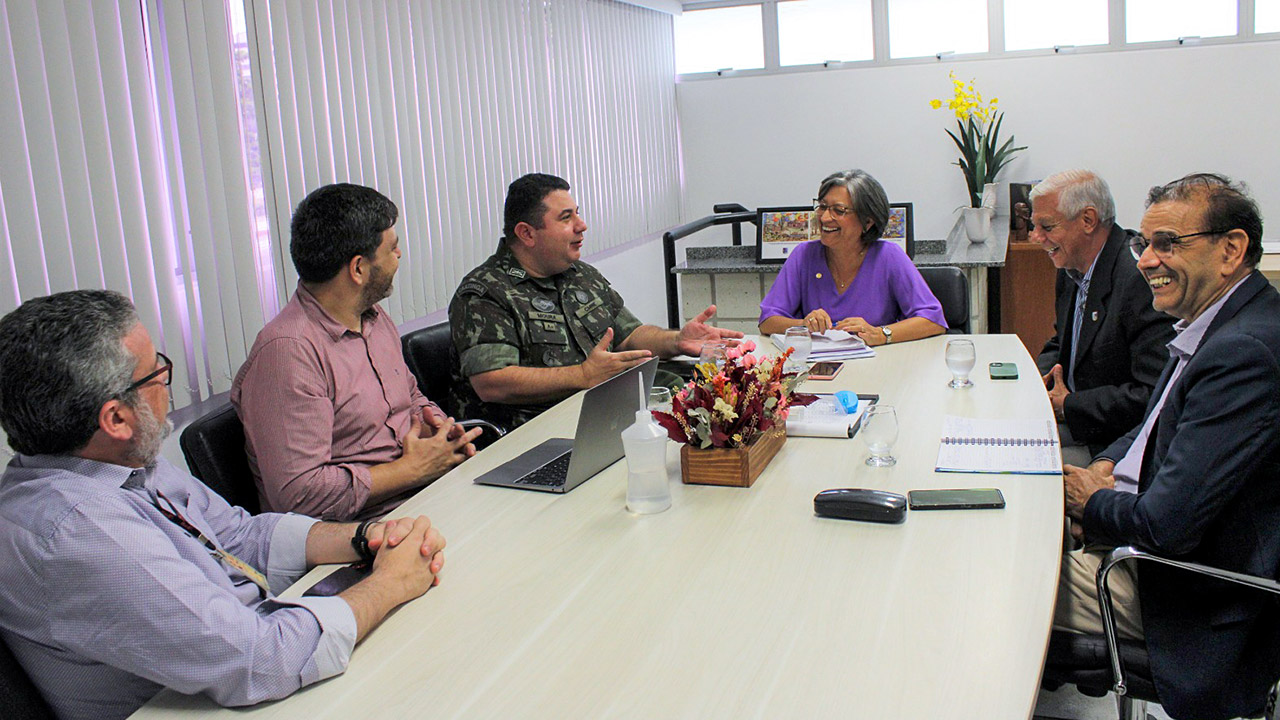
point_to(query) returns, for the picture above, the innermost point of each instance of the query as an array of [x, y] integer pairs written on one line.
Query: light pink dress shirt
[[320, 405]]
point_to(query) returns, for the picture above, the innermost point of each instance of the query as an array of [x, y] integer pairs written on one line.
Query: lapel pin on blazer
[[1095, 316]]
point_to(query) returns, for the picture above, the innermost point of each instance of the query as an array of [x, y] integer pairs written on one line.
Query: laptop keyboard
[[549, 475]]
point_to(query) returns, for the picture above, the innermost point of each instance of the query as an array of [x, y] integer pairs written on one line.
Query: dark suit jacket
[[1209, 492], [1122, 346]]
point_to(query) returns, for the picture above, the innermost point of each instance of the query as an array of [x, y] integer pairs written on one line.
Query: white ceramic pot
[[977, 223]]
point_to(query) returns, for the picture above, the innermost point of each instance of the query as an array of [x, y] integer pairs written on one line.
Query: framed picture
[[780, 229], [900, 228]]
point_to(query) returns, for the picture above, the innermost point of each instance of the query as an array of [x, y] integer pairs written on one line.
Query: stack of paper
[[971, 445], [825, 418], [830, 345]]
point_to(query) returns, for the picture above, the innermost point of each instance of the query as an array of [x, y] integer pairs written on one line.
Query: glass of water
[[880, 431], [801, 344], [714, 353], [660, 399], [960, 361]]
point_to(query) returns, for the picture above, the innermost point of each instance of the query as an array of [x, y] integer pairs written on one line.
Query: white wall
[[1138, 118]]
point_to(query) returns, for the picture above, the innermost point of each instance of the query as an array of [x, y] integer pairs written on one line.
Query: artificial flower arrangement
[[732, 406], [982, 156]]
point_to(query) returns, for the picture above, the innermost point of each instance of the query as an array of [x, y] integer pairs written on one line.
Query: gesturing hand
[[603, 364], [697, 332]]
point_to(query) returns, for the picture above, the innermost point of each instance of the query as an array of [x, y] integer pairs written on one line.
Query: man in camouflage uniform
[[534, 324]]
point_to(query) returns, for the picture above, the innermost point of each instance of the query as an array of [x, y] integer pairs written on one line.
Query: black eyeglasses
[[166, 366], [1163, 243]]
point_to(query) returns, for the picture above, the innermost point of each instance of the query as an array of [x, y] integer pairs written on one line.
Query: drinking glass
[[880, 431], [660, 399], [801, 342], [960, 361], [714, 353]]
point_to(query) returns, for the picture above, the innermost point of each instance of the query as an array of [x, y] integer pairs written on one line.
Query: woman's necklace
[[842, 285]]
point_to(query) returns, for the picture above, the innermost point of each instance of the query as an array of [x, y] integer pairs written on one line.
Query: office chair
[[1098, 664], [430, 355], [19, 698], [951, 287], [214, 448]]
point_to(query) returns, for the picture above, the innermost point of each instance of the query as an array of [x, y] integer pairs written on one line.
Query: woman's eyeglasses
[[839, 211], [1163, 243]]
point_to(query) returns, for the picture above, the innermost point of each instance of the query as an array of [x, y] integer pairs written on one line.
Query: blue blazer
[[1209, 492]]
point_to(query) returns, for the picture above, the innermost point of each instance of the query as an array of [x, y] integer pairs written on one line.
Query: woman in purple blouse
[[849, 279]]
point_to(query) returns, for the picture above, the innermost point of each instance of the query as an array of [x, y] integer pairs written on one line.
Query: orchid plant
[[731, 406], [982, 156]]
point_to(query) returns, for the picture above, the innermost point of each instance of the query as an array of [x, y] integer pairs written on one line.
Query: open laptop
[[559, 465]]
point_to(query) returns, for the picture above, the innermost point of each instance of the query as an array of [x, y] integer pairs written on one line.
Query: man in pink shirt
[[335, 426]]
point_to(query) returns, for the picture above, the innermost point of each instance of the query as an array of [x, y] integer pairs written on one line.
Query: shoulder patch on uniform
[[472, 287]]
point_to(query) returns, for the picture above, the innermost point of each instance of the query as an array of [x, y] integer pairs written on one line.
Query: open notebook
[[973, 445]]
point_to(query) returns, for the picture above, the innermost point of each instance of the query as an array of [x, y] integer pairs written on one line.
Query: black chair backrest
[[951, 287], [19, 698], [430, 356], [214, 448]]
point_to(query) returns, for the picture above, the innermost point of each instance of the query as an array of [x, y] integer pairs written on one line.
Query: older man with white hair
[[1109, 343]]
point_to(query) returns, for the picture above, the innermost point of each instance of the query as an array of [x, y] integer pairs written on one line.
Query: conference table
[[734, 603]]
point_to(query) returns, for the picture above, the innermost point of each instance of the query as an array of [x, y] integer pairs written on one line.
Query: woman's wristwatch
[[888, 334]]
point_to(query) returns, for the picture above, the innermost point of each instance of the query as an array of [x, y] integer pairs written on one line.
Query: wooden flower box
[[734, 467]]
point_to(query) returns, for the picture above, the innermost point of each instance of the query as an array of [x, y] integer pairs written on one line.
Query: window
[[709, 40], [814, 31], [1031, 24], [1266, 16], [918, 28], [1150, 20]]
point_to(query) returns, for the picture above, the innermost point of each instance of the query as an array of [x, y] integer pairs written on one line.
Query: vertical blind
[[121, 168], [439, 104], [129, 157]]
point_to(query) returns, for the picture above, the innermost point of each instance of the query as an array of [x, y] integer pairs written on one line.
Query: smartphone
[[967, 499], [825, 370], [1003, 371], [340, 579]]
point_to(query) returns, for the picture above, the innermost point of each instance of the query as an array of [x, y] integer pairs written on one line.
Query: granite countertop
[[955, 250]]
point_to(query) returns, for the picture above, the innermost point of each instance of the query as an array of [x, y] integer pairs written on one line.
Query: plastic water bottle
[[645, 443]]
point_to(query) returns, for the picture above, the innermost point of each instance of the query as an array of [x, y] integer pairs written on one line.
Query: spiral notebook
[[974, 445]]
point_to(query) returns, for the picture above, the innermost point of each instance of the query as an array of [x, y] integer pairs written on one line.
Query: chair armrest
[[1128, 553], [488, 426]]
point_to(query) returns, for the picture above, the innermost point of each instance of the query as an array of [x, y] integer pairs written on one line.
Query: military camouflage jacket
[[501, 316]]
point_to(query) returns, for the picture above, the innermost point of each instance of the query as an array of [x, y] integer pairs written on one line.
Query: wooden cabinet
[[1026, 295]]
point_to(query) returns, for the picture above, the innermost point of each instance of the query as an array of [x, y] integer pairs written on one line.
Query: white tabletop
[[735, 602]]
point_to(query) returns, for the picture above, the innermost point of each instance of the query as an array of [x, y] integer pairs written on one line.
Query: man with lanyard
[[120, 574]]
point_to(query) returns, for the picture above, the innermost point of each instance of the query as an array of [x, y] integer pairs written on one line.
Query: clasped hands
[[1079, 484], [819, 321], [436, 443], [409, 532], [1057, 387]]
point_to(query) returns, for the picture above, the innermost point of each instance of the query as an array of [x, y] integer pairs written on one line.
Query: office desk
[[735, 602]]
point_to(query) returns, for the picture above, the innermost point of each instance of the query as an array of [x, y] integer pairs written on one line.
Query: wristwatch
[[361, 542], [888, 334]]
